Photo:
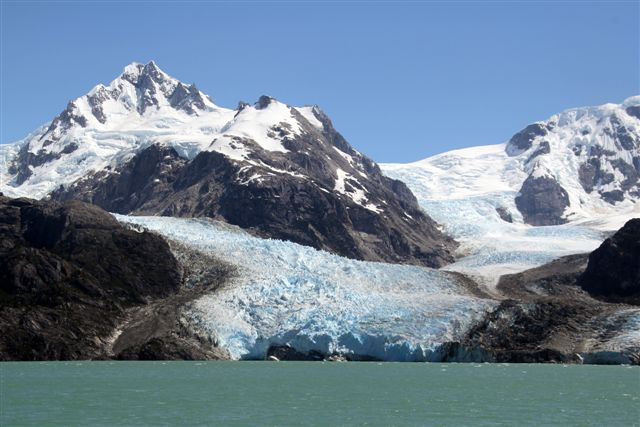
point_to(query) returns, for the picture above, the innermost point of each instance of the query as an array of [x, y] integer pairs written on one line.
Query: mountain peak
[[132, 72], [264, 101], [137, 72], [153, 71]]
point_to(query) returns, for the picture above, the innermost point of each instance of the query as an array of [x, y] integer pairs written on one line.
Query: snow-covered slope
[[592, 154], [149, 144], [146, 106], [287, 294], [143, 106]]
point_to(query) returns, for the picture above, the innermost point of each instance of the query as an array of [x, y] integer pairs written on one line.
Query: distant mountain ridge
[[576, 165], [149, 144]]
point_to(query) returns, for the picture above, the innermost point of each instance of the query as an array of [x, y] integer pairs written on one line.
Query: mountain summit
[[150, 144], [577, 165]]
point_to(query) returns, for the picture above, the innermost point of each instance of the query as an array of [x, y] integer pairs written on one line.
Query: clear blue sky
[[401, 80]]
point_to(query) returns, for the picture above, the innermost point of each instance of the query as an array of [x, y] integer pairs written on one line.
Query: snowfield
[[312, 300], [463, 190], [491, 247]]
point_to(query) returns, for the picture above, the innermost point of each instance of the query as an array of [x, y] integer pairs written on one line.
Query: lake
[[313, 393]]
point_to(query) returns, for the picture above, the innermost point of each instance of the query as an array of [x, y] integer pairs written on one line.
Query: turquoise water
[[331, 394]]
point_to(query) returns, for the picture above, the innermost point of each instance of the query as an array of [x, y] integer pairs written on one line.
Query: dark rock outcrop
[[613, 272], [285, 352], [624, 137], [504, 214], [187, 98], [70, 274], [26, 160], [542, 201], [288, 196], [172, 348], [518, 332], [543, 148], [523, 140], [590, 174], [547, 318], [147, 179]]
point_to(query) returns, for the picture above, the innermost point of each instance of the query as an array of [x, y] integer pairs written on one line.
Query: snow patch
[[308, 113], [355, 192], [259, 125]]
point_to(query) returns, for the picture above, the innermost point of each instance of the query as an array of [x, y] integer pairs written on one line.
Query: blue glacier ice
[[288, 294]]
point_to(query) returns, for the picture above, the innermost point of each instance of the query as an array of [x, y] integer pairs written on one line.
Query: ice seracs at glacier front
[[292, 295], [288, 294]]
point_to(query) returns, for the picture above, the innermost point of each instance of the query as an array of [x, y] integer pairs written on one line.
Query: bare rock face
[[149, 144], [504, 214], [613, 272], [542, 201], [67, 273], [548, 318], [320, 193], [523, 140]]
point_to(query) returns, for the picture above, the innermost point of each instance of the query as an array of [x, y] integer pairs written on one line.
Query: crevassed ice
[[491, 246], [624, 329], [312, 300], [461, 189]]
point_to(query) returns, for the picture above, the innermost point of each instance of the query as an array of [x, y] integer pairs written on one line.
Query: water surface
[[331, 394]]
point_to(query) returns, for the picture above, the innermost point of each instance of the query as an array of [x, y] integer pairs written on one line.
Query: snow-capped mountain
[[575, 165], [577, 173], [142, 106], [149, 144]]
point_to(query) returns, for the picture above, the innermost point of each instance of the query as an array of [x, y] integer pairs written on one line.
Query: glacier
[[490, 246], [464, 190], [288, 294]]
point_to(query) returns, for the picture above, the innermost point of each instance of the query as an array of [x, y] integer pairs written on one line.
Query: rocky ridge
[[72, 280], [148, 144], [601, 143], [613, 273], [581, 164]]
